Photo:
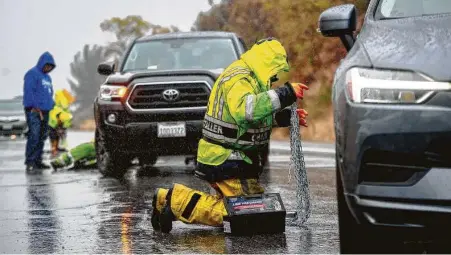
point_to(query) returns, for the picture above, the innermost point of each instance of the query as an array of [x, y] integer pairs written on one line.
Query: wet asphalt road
[[82, 212]]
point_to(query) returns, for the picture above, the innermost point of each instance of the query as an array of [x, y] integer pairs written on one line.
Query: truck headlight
[[390, 87], [108, 92]]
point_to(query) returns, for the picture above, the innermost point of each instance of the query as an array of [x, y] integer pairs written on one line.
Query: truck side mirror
[[106, 68], [339, 21]]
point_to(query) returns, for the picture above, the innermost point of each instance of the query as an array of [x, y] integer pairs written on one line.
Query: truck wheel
[[109, 162]]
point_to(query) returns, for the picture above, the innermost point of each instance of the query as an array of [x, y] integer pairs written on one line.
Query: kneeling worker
[[81, 156], [241, 112]]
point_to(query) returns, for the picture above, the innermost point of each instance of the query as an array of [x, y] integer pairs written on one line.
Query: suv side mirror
[[339, 21], [106, 68]]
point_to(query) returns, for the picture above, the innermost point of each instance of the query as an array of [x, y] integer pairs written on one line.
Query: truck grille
[[187, 94]]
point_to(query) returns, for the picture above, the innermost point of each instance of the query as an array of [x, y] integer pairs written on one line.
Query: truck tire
[[147, 160], [109, 162]]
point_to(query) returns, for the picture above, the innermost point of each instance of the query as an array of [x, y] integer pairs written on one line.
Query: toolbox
[[254, 214]]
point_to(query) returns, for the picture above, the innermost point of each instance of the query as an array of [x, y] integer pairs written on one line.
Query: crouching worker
[[60, 120], [241, 112], [79, 157]]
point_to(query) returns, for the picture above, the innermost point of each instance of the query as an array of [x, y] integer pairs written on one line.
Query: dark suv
[[154, 104], [392, 114]]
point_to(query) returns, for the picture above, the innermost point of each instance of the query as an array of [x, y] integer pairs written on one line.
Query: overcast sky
[[30, 27]]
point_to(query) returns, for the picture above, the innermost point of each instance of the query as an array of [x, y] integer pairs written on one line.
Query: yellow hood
[[266, 59], [63, 98]]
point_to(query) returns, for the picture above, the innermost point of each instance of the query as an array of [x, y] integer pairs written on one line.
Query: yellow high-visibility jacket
[[61, 112], [242, 104]]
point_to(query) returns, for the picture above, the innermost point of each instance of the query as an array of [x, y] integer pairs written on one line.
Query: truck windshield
[[393, 9], [176, 54]]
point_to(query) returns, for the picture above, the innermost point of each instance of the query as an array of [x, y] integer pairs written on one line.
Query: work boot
[[54, 148], [29, 169], [42, 165], [166, 215], [158, 202]]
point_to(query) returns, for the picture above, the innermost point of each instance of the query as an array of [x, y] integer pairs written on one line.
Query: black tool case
[[254, 214]]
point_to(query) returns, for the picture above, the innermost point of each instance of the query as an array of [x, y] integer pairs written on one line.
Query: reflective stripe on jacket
[[241, 105]]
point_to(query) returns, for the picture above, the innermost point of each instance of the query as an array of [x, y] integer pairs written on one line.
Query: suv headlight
[[109, 92], [390, 87]]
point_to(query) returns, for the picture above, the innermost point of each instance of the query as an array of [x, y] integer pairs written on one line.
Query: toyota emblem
[[171, 95]]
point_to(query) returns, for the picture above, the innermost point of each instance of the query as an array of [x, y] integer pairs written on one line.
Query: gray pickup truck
[[154, 101]]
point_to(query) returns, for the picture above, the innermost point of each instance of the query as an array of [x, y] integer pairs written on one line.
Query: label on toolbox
[[227, 228], [251, 204], [242, 205]]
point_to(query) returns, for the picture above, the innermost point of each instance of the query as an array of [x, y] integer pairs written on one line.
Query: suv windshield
[[11, 105], [392, 9], [172, 54]]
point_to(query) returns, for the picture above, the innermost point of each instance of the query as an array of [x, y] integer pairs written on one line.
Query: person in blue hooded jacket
[[38, 101]]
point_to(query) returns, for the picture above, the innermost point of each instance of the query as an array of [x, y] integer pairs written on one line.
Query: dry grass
[[320, 129]]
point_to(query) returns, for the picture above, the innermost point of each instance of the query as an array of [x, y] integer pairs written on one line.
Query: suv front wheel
[[360, 238], [110, 162]]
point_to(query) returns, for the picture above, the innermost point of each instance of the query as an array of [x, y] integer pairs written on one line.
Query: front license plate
[[171, 130], [7, 127]]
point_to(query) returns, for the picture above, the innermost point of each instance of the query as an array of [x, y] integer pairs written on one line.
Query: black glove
[[286, 95], [283, 117]]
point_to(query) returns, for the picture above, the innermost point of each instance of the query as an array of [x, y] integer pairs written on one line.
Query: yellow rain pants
[[196, 207]]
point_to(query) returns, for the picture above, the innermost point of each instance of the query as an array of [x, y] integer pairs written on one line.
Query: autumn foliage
[[313, 58]]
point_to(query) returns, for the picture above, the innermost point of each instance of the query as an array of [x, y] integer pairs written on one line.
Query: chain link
[[303, 209]]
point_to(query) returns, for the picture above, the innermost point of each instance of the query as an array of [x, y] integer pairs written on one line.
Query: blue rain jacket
[[38, 89]]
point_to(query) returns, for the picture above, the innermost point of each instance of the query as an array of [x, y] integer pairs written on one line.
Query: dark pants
[[53, 134], [230, 169], [37, 134]]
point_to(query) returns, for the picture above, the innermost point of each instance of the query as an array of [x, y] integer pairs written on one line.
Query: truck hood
[[125, 78], [419, 44]]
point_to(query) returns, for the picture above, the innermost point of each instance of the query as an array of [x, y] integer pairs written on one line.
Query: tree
[[214, 19], [85, 81], [312, 57], [127, 29]]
